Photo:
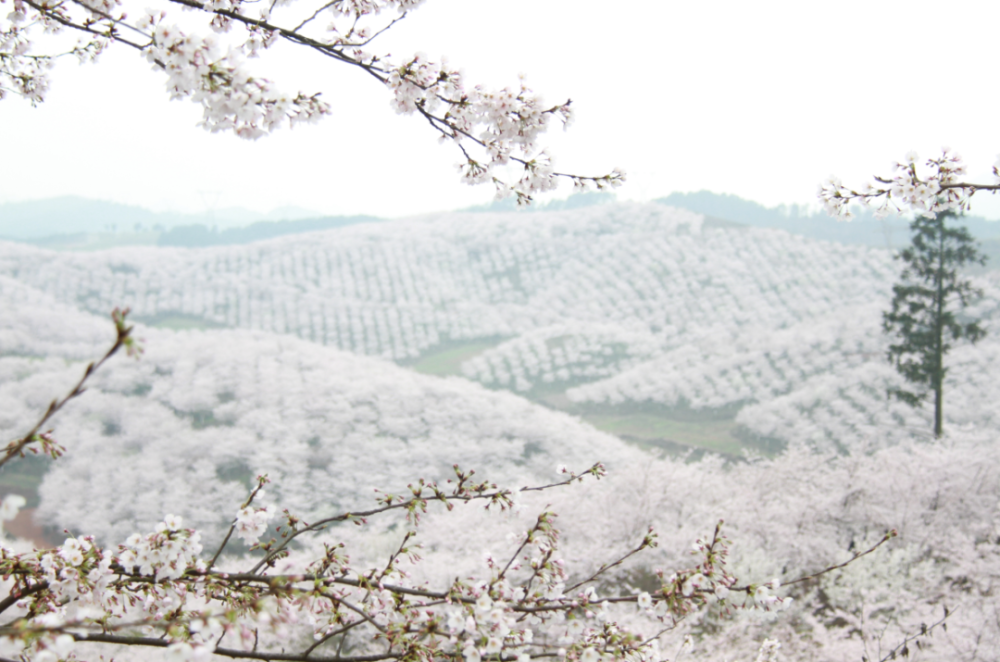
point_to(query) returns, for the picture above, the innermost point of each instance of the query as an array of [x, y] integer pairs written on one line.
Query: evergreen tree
[[926, 304]]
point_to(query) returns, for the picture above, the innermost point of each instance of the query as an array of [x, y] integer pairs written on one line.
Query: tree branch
[[16, 448], [232, 652]]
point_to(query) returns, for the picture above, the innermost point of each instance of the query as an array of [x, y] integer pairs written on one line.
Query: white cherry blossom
[[910, 188]]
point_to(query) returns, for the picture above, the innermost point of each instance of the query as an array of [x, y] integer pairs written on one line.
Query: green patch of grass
[[448, 360], [180, 323], [23, 476], [659, 431]]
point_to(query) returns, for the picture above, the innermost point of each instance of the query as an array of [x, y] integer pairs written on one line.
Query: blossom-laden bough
[[906, 190], [158, 590], [491, 128]]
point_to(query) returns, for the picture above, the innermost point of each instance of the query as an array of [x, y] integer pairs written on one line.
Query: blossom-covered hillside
[[401, 288], [192, 422], [632, 308], [613, 308]]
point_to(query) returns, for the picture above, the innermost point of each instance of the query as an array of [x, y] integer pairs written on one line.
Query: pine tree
[[926, 305]]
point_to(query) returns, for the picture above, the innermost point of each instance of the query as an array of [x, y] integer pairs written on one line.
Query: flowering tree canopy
[[491, 128]]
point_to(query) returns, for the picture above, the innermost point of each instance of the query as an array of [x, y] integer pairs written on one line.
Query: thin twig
[[232, 527], [903, 648], [409, 503], [16, 448], [886, 538]]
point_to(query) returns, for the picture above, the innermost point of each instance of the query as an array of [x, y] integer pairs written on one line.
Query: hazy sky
[[763, 100]]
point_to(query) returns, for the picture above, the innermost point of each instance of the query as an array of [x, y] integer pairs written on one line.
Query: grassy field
[[675, 431], [23, 476], [448, 360], [180, 323], [657, 431]]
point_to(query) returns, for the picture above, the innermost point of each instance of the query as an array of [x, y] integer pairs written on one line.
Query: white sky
[[760, 99]]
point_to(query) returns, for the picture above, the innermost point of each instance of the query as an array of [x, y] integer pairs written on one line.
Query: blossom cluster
[[506, 123], [231, 98], [65, 591], [165, 554], [942, 189], [26, 77], [25, 72], [251, 523]]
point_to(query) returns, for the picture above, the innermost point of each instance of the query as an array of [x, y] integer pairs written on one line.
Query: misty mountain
[[70, 215], [50, 222]]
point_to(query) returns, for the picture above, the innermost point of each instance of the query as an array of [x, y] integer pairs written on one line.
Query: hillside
[[301, 356], [651, 322], [202, 413]]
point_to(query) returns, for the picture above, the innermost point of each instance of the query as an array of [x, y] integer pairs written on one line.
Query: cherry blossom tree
[[490, 128]]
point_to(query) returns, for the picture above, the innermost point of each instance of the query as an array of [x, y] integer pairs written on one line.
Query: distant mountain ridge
[[68, 215], [42, 221]]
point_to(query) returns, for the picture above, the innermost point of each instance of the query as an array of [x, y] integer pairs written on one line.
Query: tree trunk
[[938, 376], [938, 400]]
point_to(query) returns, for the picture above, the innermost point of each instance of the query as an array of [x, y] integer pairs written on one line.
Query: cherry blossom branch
[[331, 635], [542, 523], [648, 541], [680, 593], [391, 562], [504, 125], [357, 610], [540, 174], [17, 447], [261, 481], [886, 538], [939, 191], [418, 503], [49, 12], [757, 590], [12, 599], [230, 652]]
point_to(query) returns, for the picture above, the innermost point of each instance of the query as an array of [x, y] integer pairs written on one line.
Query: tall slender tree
[[926, 306]]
